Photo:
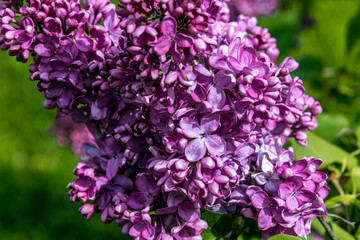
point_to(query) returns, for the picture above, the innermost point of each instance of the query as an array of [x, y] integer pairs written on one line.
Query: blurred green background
[[322, 35]]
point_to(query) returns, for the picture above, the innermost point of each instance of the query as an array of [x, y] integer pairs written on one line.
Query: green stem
[[327, 228]]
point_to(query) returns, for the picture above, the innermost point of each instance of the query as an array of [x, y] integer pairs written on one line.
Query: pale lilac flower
[[204, 140]]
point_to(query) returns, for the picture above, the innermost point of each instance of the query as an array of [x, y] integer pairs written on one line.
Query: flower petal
[[190, 127], [265, 219], [188, 213], [168, 26], [215, 144], [137, 200], [258, 199], [209, 123], [216, 98], [183, 41], [247, 56], [144, 183], [195, 150], [162, 46], [244, 150]]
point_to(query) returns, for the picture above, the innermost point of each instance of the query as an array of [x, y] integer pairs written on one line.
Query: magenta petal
[[183, 40], [216, 98], [289, 63], [198, 226], [58, 65], [175, 198], [188, 213], [254, 92], [218, 61], [111, 20], [295, 182], [264, 219], [190, 127], [199, 93], [284, 191], [288, 156], [162, 46], [288, 216], [225, 80], [43, 50], [75, 78], [292, 203], [168, 26], [215, 145], [247, 56], [144, 183], [136, 229], [262, 70], [58, 74], [318, 176], [84, 44], [139, 31], [299, 228], [305, 195], [258, 199], [137, 200], [323, 192], [236, 64], [148, 232], [195, 150], [112, 167], [296, 92], [167, 210], [244, 150], [171, 77], [234, 47], [209, 123]]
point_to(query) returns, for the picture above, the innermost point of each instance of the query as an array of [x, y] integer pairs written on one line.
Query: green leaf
[[284, 237], [320, 148], [329, 125], [327, 39], [289, 237], [357, 134], [209, 234], [219, 224], [353, 185], [308, 238], [337, 200], [211, 218], [353, 34], [340, 233]]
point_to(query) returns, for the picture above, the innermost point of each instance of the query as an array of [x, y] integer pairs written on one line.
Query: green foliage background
[[322, 35]]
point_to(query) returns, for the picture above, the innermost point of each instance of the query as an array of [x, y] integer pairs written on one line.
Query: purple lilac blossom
[[187, 111]]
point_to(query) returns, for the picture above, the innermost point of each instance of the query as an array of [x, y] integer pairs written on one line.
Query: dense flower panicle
[[186, 110]]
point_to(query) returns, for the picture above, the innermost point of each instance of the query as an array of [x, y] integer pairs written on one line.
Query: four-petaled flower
[[204, 140]]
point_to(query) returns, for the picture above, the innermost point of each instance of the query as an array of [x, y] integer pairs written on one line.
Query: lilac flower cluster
[[187, 111]]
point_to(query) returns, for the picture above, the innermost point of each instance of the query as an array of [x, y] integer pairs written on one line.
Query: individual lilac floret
[[142, 228], [294, 194], [204, 140]]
